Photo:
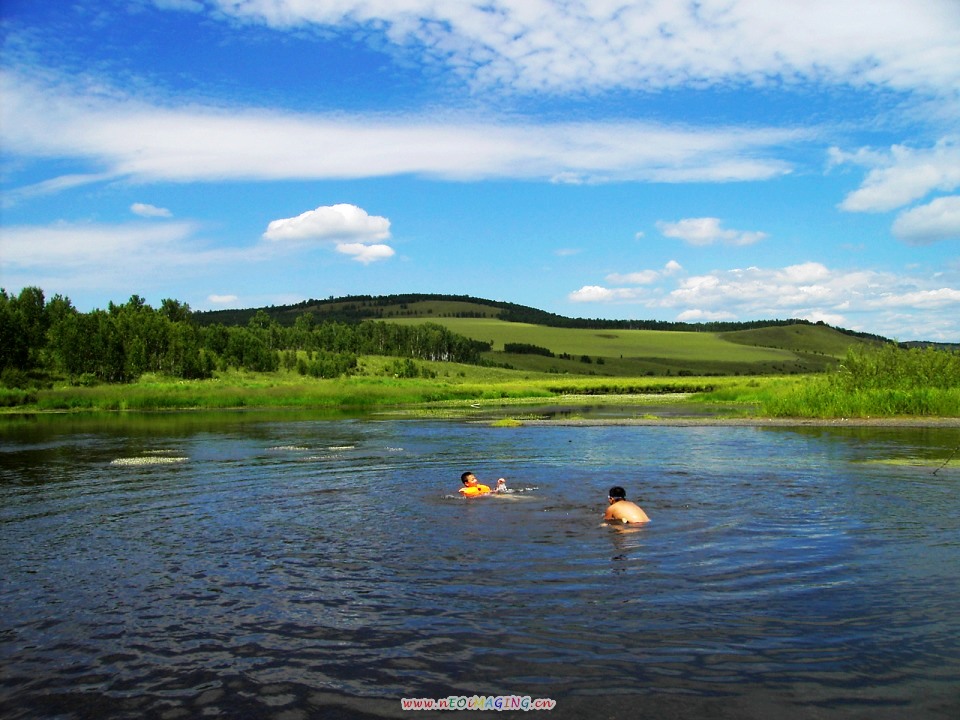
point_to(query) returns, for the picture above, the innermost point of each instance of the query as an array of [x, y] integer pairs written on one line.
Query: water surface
[[292, 567]]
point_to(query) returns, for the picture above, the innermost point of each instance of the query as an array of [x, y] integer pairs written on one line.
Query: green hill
[[652, 352], [356, 308], [816, 339], [525, 338]]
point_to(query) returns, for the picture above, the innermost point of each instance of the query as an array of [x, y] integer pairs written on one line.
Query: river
[[259, 565]]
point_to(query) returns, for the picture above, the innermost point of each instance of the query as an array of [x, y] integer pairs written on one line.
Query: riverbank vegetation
[[134, 357], [880, 382]]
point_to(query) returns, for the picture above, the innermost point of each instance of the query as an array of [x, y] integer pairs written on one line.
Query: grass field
[[372, 389], [779, 350], [464, 388]]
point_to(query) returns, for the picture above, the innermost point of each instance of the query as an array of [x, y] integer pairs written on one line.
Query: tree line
[[124, 341]]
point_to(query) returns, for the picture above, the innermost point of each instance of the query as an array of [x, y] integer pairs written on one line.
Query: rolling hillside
[[527, 339], [791, 349]]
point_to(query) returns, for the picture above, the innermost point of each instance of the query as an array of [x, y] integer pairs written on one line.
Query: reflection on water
[[292, 568]]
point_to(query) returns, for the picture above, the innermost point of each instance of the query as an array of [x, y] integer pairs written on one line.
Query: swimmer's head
[[617, 493], [468, 477]]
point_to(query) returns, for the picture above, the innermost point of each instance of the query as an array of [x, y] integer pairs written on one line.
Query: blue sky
[[712, 160]]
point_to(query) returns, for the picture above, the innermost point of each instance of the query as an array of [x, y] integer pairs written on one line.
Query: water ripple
[[317, 568]]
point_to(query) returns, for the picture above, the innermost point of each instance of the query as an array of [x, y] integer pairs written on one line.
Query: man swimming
[[622, 510], [471, 486]]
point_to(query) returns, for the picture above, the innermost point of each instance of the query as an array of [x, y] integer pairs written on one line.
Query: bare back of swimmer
[[621, 509]]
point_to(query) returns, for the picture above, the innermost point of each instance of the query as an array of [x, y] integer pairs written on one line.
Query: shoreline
[[459, 414], [893, 422]]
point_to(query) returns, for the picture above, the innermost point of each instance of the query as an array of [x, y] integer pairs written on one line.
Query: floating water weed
[[150, 460]]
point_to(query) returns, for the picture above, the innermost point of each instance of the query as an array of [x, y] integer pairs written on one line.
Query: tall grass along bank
[[885, 382]]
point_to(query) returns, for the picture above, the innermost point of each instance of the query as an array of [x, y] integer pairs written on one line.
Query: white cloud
[[137, 257], [696, 316], [130, 138], [921, 299], [352, 231], [331, 222], [140, 257], [938, 220], [555, 45], [706, 231], [898, 306], [595, 293], [51, 186], [901, 175], [643, 277], [80, 248], [805, 273], [792, 288], [825, 317], [366, 254], [149, 211]]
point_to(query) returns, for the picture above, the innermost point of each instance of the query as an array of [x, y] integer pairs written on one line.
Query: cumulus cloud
[[351, 230], [706, 231], [331, 222], [596, 293], [222, 299], [937, 220], [921, 305], [365, 253], [555, 45], [645, 277], [130, 138], [901, 175], [149, 211]]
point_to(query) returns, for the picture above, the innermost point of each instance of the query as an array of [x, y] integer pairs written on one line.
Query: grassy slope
[[769, 350], [813, 339], [788, 349]]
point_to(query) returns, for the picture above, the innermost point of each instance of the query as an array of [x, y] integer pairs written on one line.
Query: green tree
[[175, 311]]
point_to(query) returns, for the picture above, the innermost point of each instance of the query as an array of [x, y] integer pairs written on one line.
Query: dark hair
[[463, 478], [618, 493]]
